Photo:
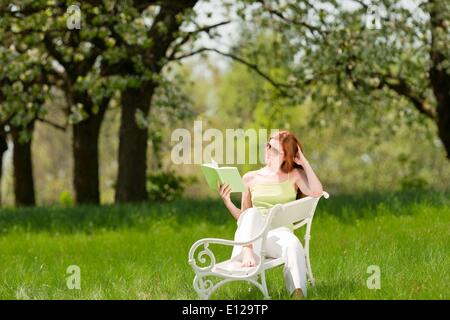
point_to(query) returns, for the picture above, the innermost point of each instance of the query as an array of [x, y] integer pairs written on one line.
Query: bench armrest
[[206, 241], [207, 251]]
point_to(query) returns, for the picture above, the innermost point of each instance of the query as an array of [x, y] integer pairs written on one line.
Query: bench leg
[[308, 266], [308, 262], [264, 285]]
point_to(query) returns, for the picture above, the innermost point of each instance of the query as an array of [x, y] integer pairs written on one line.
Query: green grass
[[140, 251]]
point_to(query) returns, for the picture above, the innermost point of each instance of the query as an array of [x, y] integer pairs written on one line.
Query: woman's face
[[274, 152]]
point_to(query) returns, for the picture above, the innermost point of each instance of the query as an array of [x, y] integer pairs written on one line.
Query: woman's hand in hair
[[299, 157]]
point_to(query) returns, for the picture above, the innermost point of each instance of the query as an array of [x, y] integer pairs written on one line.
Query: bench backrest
[[295, 212]]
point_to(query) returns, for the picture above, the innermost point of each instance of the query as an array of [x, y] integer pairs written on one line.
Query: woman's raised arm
[[311, 185]]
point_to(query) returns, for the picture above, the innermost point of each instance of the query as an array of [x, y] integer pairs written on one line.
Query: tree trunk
[[131, 180], [439, 78], [443, 111], [3, 148], [85, 154], [23, 169]]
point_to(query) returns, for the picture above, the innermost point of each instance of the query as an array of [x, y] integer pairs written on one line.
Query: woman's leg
[[282, 242], [250, 224]]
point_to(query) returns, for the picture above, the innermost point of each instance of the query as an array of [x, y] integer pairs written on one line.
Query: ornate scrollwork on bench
[[203, 257]]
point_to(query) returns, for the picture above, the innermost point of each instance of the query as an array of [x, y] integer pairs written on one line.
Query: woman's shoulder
[[249, 176]]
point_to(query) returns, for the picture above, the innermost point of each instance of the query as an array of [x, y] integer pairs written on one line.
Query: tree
[[152, 47], [121, 47], [336, 47], [22, 96], [72, 57], [3, 149]]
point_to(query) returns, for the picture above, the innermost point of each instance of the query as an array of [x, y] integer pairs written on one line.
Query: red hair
[[290, 144]]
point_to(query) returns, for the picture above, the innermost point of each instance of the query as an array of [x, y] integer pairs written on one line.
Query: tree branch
[[402, 87], [280, 86], [55, 125], [166, 16], [280, 15], [297, 22], [188, 36], [51, 49], [362, 4]]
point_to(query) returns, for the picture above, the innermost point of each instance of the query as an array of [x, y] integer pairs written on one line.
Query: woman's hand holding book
[[224, 191]]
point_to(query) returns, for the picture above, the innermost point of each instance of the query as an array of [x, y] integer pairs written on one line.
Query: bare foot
[[248, 258], [297, 294]]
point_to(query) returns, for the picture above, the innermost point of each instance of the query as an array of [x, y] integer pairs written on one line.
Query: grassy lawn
[[140, 251]]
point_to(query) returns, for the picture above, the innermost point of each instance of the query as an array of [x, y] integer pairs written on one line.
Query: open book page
[[231, 176], [215, 175], [211, 175]]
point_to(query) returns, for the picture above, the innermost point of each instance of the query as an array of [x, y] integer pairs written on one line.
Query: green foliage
[[166, 185], [350, 149], [109, 53], [66, 199], [330, 57], [410, 174], [413, 182], [23, 89]]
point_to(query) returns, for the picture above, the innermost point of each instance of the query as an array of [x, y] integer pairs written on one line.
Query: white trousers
[[280, 242]]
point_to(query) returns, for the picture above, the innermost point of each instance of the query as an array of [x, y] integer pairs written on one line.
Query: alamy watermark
[[190, 148], [74, 17], [74, 278], [373, 17], [374, 280]]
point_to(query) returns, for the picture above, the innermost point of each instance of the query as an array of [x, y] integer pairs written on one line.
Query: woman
[[286, 175]]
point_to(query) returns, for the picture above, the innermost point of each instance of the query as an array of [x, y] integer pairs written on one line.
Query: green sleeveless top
[[266, 195]]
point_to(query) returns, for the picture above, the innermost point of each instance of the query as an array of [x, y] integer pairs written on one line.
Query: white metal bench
[[299, 213]]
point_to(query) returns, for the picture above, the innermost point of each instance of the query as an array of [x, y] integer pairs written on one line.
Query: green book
[[227, 175]]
